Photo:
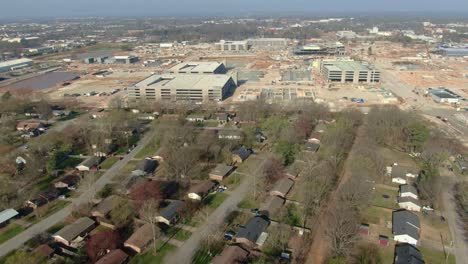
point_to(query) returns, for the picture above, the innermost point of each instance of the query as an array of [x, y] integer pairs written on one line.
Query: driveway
[[185, 253], [43, 225]]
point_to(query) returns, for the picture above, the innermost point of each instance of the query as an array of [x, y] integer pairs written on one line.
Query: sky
[[79, 8]]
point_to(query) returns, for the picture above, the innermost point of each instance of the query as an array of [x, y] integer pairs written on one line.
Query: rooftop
[[187, 81], [347, 66], [7, 214], [406, 223], [14, 62], [72, 231], [221, 170], [197, 67], [253, 229]]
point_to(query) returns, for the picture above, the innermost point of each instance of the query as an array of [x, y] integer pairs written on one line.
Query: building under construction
[[329, 49], [349, 71]]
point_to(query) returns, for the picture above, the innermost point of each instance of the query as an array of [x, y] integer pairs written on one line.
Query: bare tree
[[342, 228], [148, 212]]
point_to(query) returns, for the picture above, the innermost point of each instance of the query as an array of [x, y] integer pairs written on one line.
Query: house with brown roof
[[30, 125], [89, 163], [231, 255], [116, 256], [272, 205], [68, 182], [44, 250], [73, 234], [282, 187], [220, 172], [42, 198], [105, 206], [139, 240], [201, 190]]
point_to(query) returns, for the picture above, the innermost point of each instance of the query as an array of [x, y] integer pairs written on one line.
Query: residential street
[[48, 222], [460, 247], [185, 253]]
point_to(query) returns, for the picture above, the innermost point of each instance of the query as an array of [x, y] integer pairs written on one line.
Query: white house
[[407, 190], [406, 227], [409, 203]]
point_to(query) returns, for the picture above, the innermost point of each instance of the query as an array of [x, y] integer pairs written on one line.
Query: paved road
[[185, 253], [460, 246], [48, 222]]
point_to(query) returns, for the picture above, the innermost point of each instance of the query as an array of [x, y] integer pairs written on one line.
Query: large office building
[[183, 87], [199, 68], [12, 65], [345, 71], [267, 43], [224, 45], [336, 48]]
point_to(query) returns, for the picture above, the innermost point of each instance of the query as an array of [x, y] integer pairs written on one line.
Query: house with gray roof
[[407, 190], [241, 154], [73, 234], [400, 174], [170, 214], [282, 187], [145, 167], [407, 254], [409, 203], [272, 205], [105, 206], [406, 227], [6, 215], [89, 163], [252, 231]]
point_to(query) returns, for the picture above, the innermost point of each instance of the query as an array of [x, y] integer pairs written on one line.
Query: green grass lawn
[[214, 200], [146, 151], [182, 235], [248, 203], [44, 182], [380, 201], [71, 116], [107, 164], [233, 181], [202, 257], [372, 215], [11, 231], [55, 228], [69, 163], [149, 257], [432, 256]]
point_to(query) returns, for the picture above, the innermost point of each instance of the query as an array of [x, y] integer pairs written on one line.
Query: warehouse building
[[336, 48], [444, 95], [224, 45], [199, 68], [183, 87], [12, 65], [122, 60], [349, 71], [453, 51]]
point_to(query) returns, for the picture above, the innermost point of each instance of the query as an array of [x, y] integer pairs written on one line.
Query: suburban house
[[282, 187], [231, 255], [407, 190], [89, 163], [105, 206], [105, 150], [68, 182], [6, 215], [30, 125], [230, 134], [400, 174], [170, 214], [407, 254], [74, 233], [251, 233], [139, 240], [116, 256], [311, 147], [409, 203], [272, 205], [145, 167], [201, 190], [406, 227], [241, 154], [44, 197], [220, 172], [315, 137], [195, 118]]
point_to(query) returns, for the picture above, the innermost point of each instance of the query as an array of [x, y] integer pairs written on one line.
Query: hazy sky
[[64, 8]]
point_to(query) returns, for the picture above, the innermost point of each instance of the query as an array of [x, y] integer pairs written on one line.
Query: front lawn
[[11, 231], [432, 256], [146, 151], [390, 199], [107, 163], [249, 203], [233, 181], [214, 200], [182, 235], [149, 257], [47, 209]]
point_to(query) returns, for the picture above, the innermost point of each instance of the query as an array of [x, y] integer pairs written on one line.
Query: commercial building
[[12, 65], [454, 51], [123, 60], [335, 48], [444, 95], [267, 43], [183, 87], [199, 68], [232, 45], [349, 71]]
